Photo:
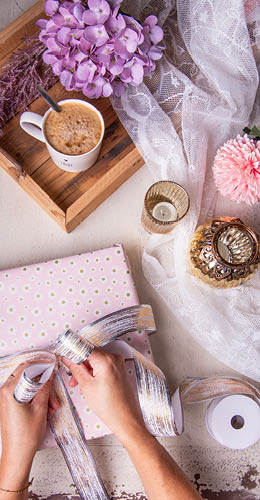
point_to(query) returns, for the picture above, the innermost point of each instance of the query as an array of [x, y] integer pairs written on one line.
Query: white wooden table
[[28, 235]]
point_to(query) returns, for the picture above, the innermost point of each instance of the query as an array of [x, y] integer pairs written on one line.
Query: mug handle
[[32, 124]]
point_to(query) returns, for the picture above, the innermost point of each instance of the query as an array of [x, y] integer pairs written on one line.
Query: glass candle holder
[[165, 204], [224, 252]]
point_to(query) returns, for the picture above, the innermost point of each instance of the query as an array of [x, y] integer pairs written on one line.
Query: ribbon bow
[[162, 415], [153, 392]]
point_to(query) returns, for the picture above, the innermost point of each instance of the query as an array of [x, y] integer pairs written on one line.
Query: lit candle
[[165, 204], [165, 212]]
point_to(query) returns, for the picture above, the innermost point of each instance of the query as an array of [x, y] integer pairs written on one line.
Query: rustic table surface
[[28, 235]]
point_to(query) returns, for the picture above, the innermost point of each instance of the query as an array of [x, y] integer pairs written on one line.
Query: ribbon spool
[[162, 415], [233, 415], [234, 421]]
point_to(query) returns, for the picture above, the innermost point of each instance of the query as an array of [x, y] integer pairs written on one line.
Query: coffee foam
[[73, 131]]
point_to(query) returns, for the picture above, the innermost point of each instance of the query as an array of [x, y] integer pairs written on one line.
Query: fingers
[[97, 356], [103, 362], [99, 361], [73, 382], [14, 377], [42, 397], [53, 404], [80, 373]]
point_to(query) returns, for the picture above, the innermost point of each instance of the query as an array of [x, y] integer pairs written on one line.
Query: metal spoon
[[49, 99]]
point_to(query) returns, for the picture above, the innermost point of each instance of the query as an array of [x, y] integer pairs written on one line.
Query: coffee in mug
[[73, 136], [73, 131]]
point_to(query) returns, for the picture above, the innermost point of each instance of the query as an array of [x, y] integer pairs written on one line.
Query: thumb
[[79, 372], [42, 397]]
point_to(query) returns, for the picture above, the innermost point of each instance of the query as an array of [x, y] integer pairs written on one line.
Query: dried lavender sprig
[[19, 78]]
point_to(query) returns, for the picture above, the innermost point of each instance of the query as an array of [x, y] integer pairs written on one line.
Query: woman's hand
[[23, 426], [105, 384]]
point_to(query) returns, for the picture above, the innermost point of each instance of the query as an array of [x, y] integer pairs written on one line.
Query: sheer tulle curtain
[[204, 91]]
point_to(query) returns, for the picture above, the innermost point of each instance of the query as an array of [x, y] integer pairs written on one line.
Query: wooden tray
[[67, 197]]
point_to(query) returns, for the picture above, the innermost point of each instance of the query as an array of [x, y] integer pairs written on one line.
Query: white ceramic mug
[[34, 125]]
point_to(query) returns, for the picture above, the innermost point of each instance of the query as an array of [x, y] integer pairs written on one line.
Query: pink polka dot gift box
[[38, 302]]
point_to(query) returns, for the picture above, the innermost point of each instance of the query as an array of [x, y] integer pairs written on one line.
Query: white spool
[[234, 421]]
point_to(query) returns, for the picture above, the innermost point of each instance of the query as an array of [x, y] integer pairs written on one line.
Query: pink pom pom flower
[[236, 170]]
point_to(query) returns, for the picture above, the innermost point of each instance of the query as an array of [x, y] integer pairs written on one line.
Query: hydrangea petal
[[78, 11], [115, 25], [145, 46], [51, 7], [96, 34], [105, 50], [131, 45], [107, 90], [118, 87], [151, 21], [137, 73], [51, 26], [43, 36], [156, 34], [86, 71], [66, 78], [58, 19], [52, 45], [84, 45], [120, 49], [79, 56], [101, 9], [115, 67], [89, 91], [98, 12], [155, 53], [49, 57], [63, 35], [94, 4], [126, 76], [57, 67], [41, 23], [89, 17]]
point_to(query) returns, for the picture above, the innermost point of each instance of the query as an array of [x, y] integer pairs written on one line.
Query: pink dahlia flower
[[236, 170]]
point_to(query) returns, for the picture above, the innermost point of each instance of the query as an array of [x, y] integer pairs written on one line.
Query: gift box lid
[[40, 301]]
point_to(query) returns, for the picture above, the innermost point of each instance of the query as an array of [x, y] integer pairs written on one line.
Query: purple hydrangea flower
[[98, 12], [98, 50], [51, 7], [155, 32], [126, 43], [86, 71], [96, 35]]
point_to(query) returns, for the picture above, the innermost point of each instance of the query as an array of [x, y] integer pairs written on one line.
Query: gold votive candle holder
[[165, 204], [224, 252]]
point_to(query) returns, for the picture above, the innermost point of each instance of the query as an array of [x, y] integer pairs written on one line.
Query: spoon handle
[[49, 100]]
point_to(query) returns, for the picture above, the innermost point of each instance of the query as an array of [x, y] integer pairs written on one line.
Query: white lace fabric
[[204, 91]]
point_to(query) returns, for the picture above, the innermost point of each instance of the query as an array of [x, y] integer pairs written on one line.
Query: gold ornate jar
[[224, 252]]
